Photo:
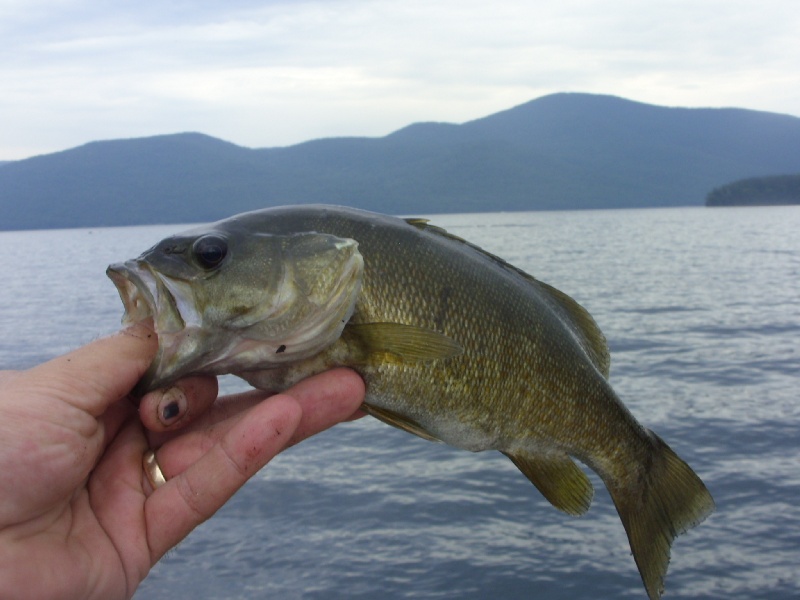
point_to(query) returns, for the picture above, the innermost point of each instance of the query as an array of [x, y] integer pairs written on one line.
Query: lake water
[[702, 312]]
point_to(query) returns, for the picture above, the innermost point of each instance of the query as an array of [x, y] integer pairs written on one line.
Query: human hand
[[78, 517]]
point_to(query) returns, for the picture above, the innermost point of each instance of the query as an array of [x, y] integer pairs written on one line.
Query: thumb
[[102, 372]]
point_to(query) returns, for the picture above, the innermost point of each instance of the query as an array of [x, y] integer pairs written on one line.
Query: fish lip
[[135, 290], [144, 295]]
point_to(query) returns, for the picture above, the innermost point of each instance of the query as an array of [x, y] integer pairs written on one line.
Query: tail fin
[[670, 500]]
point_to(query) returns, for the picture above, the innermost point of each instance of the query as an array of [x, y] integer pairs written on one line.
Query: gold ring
[[152, 470]]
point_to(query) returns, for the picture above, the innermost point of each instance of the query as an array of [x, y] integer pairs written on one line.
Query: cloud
[[275, 73]]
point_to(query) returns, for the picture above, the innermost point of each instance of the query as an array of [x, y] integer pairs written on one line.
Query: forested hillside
[[564, 151], [757, 191]]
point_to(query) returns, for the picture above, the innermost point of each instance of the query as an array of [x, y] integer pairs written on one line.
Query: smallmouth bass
[[454, 344]]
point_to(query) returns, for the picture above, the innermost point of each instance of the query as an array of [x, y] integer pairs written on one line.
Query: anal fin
[[559, 480]]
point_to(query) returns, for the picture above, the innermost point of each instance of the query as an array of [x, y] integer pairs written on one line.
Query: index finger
[[324, 399], [102, 372]]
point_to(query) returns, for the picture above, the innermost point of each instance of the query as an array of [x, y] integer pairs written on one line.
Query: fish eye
[[210, 250]]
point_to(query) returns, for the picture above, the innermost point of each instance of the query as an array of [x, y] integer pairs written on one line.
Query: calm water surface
[[702, 312]]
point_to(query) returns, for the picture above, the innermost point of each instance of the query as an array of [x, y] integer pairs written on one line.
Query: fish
[[454, 344]]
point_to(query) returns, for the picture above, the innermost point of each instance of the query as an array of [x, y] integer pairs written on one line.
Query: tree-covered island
[[757, 191]]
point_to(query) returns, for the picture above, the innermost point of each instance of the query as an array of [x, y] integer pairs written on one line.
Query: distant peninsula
[[558, 152], [776, 190]]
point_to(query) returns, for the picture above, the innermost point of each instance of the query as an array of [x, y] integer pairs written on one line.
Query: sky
[[279, 72]]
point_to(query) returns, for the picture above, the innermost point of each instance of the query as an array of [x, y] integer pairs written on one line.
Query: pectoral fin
[[396, 420], [397, 343], [559, 480]]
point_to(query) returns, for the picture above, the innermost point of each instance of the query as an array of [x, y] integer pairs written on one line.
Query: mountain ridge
[[562, 151]]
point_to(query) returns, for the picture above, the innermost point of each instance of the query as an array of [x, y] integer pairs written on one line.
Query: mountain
[[563, 151]]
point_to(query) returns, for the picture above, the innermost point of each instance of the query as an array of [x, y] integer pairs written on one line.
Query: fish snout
[[145, 295], [137, 297]]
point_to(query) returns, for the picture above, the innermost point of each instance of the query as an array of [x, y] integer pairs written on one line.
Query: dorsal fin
[[584, 328], [580, 322]]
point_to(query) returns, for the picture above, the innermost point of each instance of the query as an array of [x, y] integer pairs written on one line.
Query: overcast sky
[[278, 72]]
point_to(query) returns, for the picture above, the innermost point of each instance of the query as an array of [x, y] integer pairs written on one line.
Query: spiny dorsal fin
[[397, 420], [581, 323], [396, 342], [559, 480], [425, 225]]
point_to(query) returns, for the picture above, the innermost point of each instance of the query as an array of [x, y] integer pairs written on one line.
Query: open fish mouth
[[144, 295]]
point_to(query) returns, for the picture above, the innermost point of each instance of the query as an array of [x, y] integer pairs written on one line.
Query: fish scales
[[515, 350], [454, 345]]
